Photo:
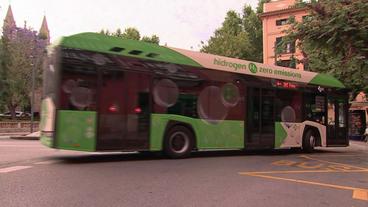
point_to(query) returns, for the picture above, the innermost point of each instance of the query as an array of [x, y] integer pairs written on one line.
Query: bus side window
[[288, 106]]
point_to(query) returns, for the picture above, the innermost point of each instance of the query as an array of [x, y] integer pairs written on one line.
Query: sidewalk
[[8, 135], [361, 144], [32, 136], [21, 136]]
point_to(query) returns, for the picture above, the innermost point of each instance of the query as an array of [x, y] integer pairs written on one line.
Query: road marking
[[13, 145], [47, 162], [333, 167], [358, 193], [12, 169], [303, 171], [334, 163], [322, 164], [284, 163], [306, 165]]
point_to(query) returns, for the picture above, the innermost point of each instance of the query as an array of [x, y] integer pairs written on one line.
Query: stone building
[[10, 30]]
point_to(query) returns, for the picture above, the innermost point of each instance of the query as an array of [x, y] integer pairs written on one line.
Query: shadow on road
[[144, 156]]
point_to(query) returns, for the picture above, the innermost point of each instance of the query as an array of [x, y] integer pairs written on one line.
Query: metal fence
[[10, 127]]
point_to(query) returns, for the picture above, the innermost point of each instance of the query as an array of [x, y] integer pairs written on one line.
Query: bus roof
[[131, 48]]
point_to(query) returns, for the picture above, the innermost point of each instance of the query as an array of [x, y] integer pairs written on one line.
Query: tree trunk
[[12, 111]]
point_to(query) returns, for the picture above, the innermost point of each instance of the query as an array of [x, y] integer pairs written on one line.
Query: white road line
[[46, 162], [11, 145], [12, 169]]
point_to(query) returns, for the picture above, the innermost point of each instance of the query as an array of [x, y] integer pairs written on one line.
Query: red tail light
[[113, 108], [137, 110]]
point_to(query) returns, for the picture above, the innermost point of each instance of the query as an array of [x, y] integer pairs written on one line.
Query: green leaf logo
[[252, 67]]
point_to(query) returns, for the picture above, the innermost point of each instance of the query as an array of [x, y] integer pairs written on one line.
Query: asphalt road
[[33, 175]]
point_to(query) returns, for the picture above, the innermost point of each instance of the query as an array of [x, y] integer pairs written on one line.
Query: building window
[[281, 22], [282, 47], [290, 47]]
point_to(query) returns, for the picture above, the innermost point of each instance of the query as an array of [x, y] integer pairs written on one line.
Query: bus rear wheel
[[309, 141], [178, 142]]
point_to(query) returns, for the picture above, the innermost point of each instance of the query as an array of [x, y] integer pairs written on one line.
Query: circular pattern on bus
[[288, 114], [230, 94], [69, 85], [99, 59], [165, 93], [210, 106], [81, 97]]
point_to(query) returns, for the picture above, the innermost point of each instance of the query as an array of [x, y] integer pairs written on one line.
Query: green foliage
[[153, 39], [21, 52], [133, 34], [334, 40], [130, 33], [240, 36]]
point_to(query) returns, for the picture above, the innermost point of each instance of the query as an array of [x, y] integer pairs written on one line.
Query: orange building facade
[[275, 18]]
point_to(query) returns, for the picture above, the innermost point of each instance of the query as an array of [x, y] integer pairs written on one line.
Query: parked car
[[17, 114]]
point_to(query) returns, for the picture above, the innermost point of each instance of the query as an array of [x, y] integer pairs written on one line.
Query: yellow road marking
[[358, 193], [284, 163], [309, 166], [303, 171], [334, 167], [334, 163]]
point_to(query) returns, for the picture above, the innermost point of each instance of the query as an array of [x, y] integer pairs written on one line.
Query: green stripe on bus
[[228, 134], [280, 134], [47, 141], [76, 130], [326, 80], [106, 44]]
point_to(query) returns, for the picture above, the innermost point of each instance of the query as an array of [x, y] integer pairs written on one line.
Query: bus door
[[123, 110], [111, 110], [260, 124], [337, 110]]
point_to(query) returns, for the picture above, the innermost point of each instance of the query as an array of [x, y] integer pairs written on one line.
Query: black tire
[[309, 141], [178, 142]]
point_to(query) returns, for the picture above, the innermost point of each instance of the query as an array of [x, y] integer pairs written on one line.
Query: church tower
[[44, 32], [9, 23]]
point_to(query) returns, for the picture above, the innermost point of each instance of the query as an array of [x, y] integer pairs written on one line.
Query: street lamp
[[32, 96]]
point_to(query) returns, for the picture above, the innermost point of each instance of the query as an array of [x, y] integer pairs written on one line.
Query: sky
[[178, 23]]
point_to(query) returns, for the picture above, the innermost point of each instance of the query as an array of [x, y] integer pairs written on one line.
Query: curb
[[24, 138], [361, 143]]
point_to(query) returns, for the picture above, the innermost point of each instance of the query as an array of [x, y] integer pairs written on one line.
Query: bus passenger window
[[288, 106], [314, 108], [78, 94], [165, 93]]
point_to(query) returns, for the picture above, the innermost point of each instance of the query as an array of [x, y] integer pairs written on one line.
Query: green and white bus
[[106, 93]]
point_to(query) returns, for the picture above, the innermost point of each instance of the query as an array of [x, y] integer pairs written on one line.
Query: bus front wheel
[[178, 142], [309, 141]]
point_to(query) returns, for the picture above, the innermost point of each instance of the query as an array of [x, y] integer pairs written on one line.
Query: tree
[[334, 40], [130, 33], [133, 34], [22, 50], [230, 40], [153, 39], [240, 36]]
